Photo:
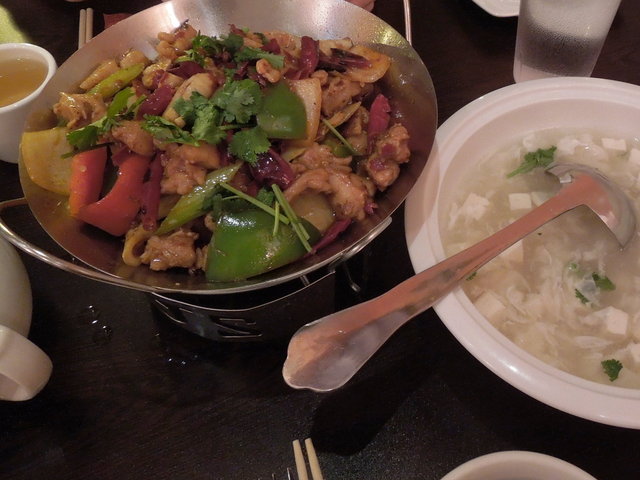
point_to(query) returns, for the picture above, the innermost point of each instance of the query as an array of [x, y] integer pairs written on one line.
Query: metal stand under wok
[[265, 315]]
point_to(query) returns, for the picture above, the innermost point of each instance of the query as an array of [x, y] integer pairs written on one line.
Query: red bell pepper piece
[[87, 173], [115, 212]]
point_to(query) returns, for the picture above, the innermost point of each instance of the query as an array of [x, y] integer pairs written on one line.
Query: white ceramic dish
[[517, 465], [500, 8], [475, 131]]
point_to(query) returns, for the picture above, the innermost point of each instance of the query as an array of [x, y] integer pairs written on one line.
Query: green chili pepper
[[117, 81], [282, 114], [244, 245], [192, 205]]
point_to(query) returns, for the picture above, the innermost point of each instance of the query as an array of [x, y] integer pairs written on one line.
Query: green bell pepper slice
[[244, 245], [283, 115], [192, 204], [117, 81]]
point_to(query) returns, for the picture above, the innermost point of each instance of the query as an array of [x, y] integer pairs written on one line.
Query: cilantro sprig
[[203, 46], [612, 368], [602, 282], [232, 107], [238, 100], [532, 160]]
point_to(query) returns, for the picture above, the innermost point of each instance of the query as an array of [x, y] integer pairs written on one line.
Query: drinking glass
[[561, 37]]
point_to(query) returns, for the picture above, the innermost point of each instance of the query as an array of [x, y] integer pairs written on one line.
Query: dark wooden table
[[135, 396]]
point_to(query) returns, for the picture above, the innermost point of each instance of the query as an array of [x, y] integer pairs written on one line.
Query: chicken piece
[[316, 180], [319, 156], [390, 150], [205, 155], [153, 73], [268, 71], [130, 133], [174, 250], [180, 176], [133, 57], [203, 83], [349, 194], [338, 93], [321, 75], [101, 72], [80, 109]]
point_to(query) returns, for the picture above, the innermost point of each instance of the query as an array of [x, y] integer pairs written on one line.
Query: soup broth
[[18, 78], [566, 293]]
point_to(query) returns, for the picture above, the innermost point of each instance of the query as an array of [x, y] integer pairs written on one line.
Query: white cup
[[24, 368], [13, 116], [560, 37]]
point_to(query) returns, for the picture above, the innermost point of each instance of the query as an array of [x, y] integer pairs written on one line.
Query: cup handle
[[24, 368]]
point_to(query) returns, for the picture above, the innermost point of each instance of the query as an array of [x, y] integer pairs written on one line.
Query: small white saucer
[[518, 465], [500, 8]]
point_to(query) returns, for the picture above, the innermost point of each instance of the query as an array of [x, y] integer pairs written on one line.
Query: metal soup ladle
[[325, 354]]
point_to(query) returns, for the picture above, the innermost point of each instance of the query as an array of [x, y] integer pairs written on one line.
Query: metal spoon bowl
[[325, 354]]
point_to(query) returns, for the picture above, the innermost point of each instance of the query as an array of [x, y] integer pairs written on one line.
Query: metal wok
[[407, 84]]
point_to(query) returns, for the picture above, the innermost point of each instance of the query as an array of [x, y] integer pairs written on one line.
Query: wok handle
[[54, 261]]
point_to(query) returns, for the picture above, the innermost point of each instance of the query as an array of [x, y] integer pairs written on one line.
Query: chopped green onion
[[254, 201], [344, 141], [297, 226]]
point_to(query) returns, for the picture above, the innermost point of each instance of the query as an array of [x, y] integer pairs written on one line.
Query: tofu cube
[[489, 305], [475, 206], [567, 145], [616, 144], [616, 322], [520, 201]]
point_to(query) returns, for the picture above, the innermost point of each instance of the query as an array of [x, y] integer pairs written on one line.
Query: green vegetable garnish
[[249, 53], [540, 158], [244, 245], [248, 144], [612, 368], [198, 201], [256, 201], [167, 131], [202, 117], [603, 283], [581, 297], [203, 46], [239, 100], [343, 140], [296, 223], [116, 81], [283, 114]]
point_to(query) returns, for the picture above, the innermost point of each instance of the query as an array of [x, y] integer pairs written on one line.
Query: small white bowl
[[475, 131], [517, 465], [13, 116]]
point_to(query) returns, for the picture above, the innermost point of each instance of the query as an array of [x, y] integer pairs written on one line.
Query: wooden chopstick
[[301, 467], [85, 27]]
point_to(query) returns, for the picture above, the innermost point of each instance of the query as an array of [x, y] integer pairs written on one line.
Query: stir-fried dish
[[232, 155]]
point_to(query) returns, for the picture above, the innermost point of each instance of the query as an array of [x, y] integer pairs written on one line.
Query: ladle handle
[[325, 354]]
